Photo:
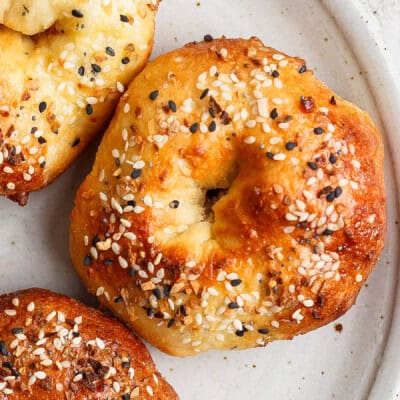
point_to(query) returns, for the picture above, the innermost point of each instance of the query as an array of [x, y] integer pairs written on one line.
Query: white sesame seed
[[123, 263], [120, 87], [280, 157], [249, 139], [288, 229], [311, 181], [150, 390], [10, 313], [40, 375], [359, 278], [275, 324], [308, 303]]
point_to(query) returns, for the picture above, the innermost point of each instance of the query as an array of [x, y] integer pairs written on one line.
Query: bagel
[[234, 200], [53, 347], [63, 66]]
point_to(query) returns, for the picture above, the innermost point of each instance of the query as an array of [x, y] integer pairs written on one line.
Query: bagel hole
[[212, 196]]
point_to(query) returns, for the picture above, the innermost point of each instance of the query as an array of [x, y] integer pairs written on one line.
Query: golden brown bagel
[[63, 66], [53, 347], [254, 212]]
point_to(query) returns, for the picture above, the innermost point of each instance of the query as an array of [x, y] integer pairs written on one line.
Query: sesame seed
[[250, 140], [318, 131], [123, 18], [212, 127], [302, 69], [359, 278], [42, 106], [172, 105], [274, 113], [77, 14], [290, 145], [89, 109]]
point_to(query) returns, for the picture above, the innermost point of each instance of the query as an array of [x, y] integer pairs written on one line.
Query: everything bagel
[[63, 67], [53, 347], [234, 200]]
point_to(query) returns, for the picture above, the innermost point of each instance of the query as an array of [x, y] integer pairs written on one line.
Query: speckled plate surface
[[359, 362]]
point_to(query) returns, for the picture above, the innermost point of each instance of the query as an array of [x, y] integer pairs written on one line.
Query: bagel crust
[[234, 200], [53, 347], [63, 65]]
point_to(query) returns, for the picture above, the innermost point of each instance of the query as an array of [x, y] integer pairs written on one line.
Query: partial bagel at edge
[[64, 65], [53, 347]]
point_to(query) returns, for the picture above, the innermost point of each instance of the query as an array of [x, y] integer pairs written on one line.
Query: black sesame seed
[[302, 69], [330, 197], [171, 323], [34, 130], [332, 159], [194, 128], [126, 396], [212, 112], [132, 272], [76, 142], [263, 331], [42, 164], [327, 232], [172, 105], [131, 203], [208, 38], [123, 18], [274, 113], [3, 349], [87, 260], [42, 140], [136, 173], [110, 51], [150, 312], [107, 262], [95, 240], [312, 165], [125, 60], [154, 94], [270, 155], [157, 293], [81, 70], [239, 333], [236, 282], [204, 94], [126, 364], [15, 331], [77, 14], [338, 192], [333, 101], [42, 106], [275, 74], [167, 291], [212, 127], [233, 305], [174, 204], [89, 109], [318, 131], [290, 145], [118, 299], [96, 68]]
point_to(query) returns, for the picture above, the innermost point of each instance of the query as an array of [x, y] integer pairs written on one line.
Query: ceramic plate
[[357, 362]]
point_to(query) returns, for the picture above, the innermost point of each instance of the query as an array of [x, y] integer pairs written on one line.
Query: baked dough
[[53, 347], [234, 200], [63, 66]]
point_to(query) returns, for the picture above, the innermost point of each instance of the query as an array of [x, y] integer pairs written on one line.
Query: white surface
[[321, 365]]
